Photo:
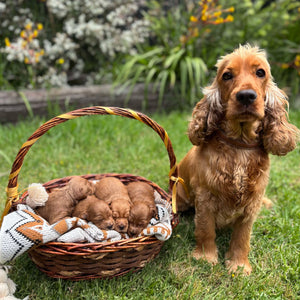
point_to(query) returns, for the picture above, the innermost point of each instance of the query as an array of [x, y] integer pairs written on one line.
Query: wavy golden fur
[[241, 119]]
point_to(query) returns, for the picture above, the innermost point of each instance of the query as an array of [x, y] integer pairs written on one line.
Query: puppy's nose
[[121, 227], [109, 227], [246, 97], [132, 233]]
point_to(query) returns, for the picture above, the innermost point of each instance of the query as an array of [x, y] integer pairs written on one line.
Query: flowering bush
[[79, 36], [174, 60]]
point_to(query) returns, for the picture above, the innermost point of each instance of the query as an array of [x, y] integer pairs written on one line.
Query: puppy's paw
[[211, 257], [233, 266]]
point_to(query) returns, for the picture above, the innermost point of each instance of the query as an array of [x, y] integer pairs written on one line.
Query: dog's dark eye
[[227, 76], [260, 73]]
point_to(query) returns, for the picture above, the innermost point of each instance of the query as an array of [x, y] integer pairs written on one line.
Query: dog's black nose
[[246, 97]]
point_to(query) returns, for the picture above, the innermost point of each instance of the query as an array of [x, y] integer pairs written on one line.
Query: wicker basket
[[77, 261]]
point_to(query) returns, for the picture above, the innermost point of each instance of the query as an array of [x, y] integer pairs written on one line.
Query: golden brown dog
[[143, 206], [61, 202], [114, 192], [240, 120], [96, 211]]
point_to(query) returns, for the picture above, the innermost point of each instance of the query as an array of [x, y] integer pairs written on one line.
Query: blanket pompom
[[37, 195]]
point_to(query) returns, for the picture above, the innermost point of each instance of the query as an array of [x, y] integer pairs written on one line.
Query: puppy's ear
[[153, 210], [83, 215], [279, 136], [206, 115]]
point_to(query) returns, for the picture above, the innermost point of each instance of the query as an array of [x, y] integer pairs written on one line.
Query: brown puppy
[[240, 120], [96, 211], [61, 202], [143, 206], [114, 192]]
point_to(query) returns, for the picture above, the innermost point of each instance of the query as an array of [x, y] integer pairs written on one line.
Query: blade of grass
[[5, 157], [27, 104]]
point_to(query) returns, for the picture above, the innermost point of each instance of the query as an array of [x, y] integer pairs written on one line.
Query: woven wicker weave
[[79, 261]]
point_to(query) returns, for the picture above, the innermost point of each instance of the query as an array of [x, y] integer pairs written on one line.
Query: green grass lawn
[[104, 144]]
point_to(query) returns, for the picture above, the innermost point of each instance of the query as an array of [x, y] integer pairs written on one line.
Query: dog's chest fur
[[236, 179]]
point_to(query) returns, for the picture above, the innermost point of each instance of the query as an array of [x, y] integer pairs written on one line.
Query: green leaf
[[183, 78], [173, 59], [155, 61], [148, 80], [172, 78], [163, 76], [199, 72], [133, 82]]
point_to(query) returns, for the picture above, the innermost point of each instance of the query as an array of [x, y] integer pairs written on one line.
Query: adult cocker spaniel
[[240, 120]]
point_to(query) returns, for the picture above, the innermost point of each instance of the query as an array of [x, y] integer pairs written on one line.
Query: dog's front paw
[[211, 257], [233, 266]]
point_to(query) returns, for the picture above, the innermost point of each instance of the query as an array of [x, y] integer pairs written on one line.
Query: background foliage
[[169, 44]]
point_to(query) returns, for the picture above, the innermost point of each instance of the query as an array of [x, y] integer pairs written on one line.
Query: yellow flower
[[231, 9], [193, 19], [284, 66], [217, 14], [229, 18], [35, 33], [28, 26], [26, 60], [42, 52], [232, 275], [297, 63], [204, 17], [219, 21], [23, 34], [24, 43], [40, 26], [7, 42], [61, 61]]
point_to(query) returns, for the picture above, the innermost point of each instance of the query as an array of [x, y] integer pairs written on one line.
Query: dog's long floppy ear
[[279, 136], [206, 115]]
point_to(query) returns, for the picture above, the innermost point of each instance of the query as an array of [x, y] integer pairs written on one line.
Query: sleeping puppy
[[143, 207], [61, 202], [114, 193], [96, 211]]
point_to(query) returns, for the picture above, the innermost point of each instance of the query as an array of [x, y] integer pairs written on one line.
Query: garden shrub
[[79, 37]]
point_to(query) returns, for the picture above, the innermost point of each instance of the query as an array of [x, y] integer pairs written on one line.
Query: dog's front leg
[[205, 234], [239, 248]]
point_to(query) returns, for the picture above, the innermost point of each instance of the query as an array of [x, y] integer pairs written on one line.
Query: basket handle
[[12, 187]]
